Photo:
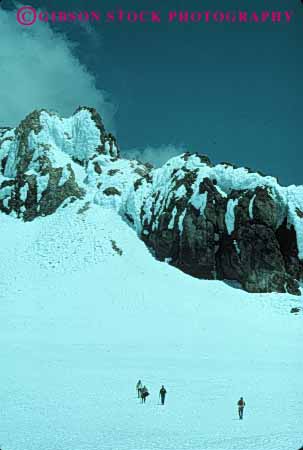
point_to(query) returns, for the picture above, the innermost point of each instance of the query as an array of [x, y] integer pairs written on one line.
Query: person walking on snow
[[144, 394], [162, 394], [139, 386], [241, 404]]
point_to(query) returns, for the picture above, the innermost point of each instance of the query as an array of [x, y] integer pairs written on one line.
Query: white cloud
[[39, 70], [155, 155]]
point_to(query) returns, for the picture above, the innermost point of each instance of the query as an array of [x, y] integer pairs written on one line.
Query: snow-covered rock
[[214, 222], [223, 222], [42, 160]]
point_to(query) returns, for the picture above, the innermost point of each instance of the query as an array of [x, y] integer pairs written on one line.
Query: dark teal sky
[[233, 91]]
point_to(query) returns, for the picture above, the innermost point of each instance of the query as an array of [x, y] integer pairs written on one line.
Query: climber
[[162, 394], [241, 404], [144, 394], [139, 387]]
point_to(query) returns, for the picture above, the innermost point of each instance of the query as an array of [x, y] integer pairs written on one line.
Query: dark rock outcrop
[[236, 234]]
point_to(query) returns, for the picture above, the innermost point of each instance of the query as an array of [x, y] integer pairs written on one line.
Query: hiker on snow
[[139, 386], [241, 404], [144, 394], [162, 394]]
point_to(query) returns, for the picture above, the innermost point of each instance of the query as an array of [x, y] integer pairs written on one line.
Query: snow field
[[81, 324]]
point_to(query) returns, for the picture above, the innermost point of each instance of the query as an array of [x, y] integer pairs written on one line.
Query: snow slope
[[82, 323]]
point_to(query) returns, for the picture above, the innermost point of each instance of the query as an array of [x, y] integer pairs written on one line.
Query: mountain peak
[[211, 221]]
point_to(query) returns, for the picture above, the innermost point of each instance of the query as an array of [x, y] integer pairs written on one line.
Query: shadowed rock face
[[212, 222], [255, 261], [252, 247]]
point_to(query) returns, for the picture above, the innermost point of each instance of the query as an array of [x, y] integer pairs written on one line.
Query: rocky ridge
[[211, 221]]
